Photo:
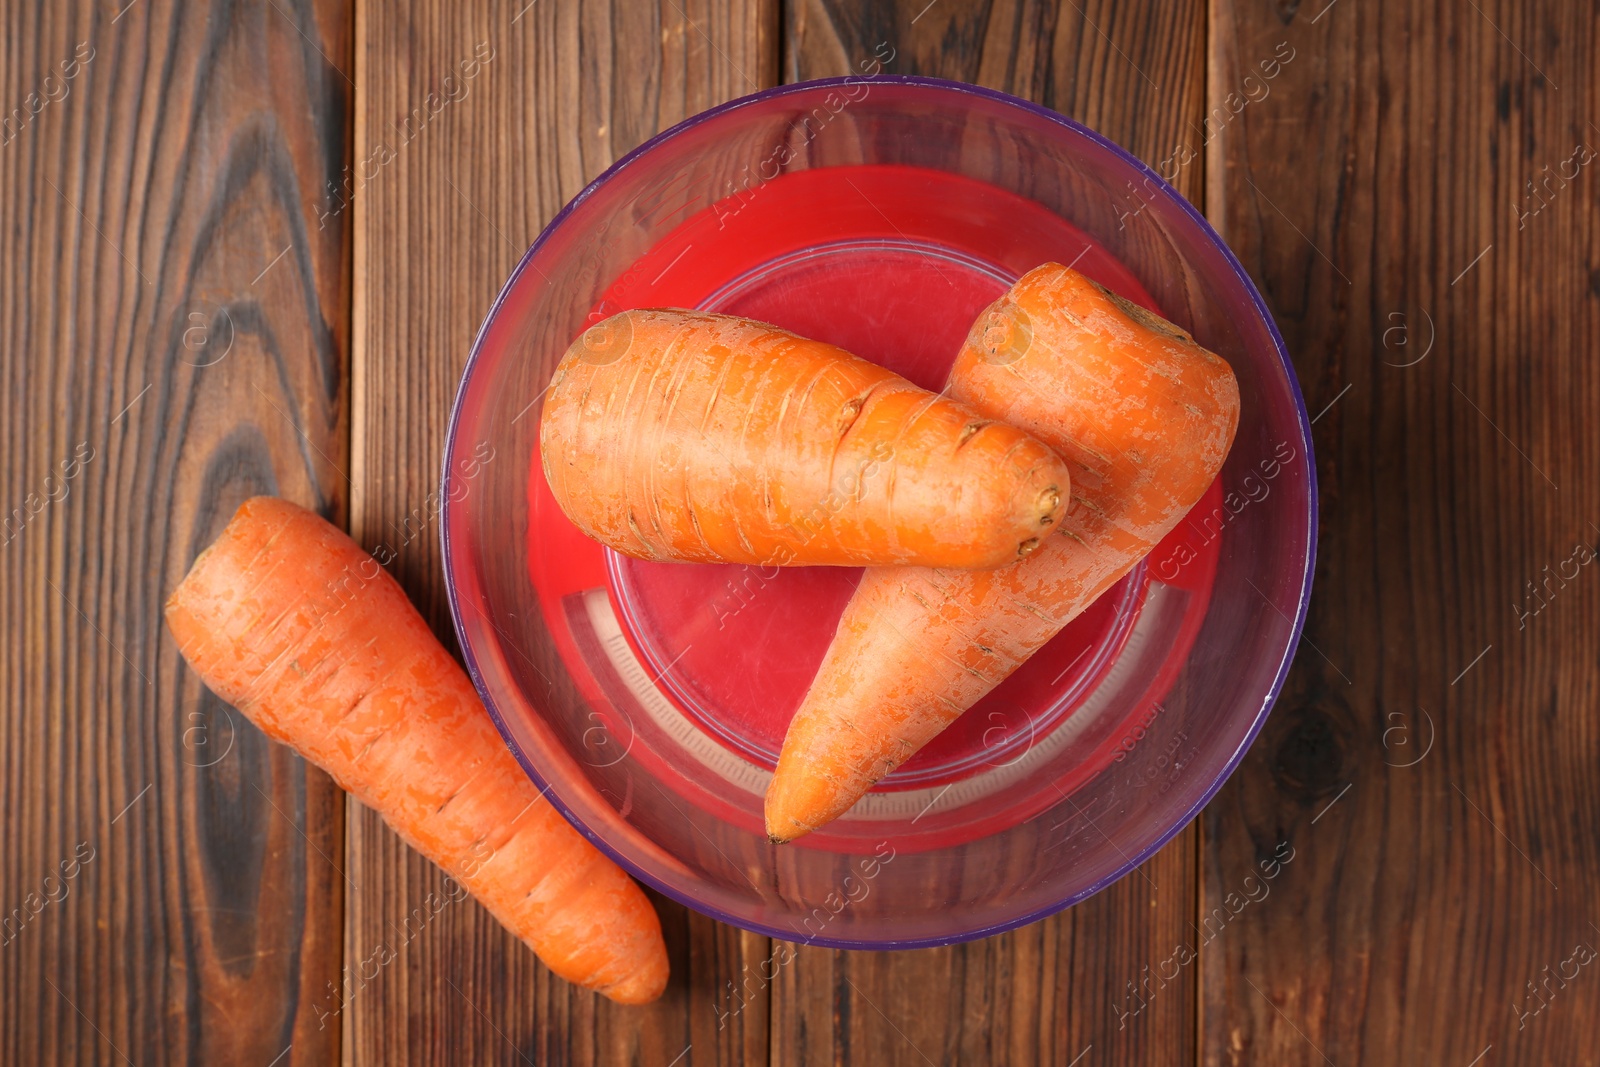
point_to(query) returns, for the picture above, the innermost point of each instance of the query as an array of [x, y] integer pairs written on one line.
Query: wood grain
[[205, 213], [1049, 992], [174, 328], [1432, 759], [565, 90]]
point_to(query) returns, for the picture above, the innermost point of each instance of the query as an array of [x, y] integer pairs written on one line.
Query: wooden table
[[246, 246]]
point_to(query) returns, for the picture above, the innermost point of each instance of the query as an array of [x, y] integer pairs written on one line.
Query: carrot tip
[[640, 988]]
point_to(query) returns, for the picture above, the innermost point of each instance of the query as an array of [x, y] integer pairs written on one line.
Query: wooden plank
[[174, 333], [1431, 762], [550, 95], [1050, 992]]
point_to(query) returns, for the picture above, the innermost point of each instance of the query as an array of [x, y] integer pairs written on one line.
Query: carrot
[[681, 435], [1144, 417], [290, 621]]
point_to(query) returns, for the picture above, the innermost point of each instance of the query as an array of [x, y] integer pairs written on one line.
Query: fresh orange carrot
[[682, 435], [1142, 414], [290, 621]]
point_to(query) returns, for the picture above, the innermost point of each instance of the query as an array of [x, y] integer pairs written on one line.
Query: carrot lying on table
[[1144, 417], [288, 620], [682, 435]]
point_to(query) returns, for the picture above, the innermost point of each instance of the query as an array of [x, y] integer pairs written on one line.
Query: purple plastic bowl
[[699, 846]]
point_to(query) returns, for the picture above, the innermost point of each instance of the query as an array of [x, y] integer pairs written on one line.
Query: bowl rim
[[1291, 646]]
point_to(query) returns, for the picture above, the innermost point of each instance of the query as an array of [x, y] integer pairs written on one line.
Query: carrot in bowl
[[1143, 416], [288, 620], [682, 435]]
